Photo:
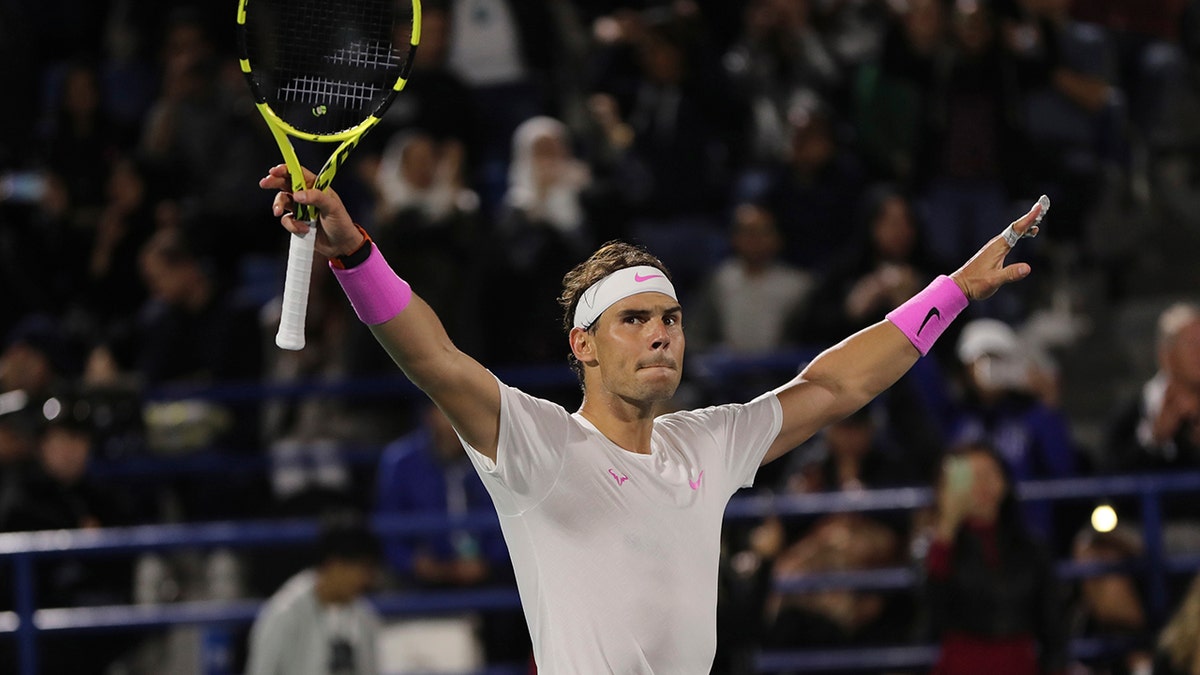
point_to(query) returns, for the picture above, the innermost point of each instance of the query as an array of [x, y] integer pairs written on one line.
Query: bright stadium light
[[1104, 518]]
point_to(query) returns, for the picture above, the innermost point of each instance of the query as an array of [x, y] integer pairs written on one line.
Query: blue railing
[[20, 551]]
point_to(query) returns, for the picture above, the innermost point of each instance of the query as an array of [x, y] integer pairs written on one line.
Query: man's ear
[[583, 346]]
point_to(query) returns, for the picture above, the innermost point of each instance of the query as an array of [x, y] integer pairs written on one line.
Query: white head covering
[[618, 286], [559, 205]]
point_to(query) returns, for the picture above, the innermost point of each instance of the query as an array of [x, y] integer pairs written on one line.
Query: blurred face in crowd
[[81, 95], [756, 239], [893, 232], [547, 153], [850, 439], [435, 39], [924, 24], [662, 61], [65, 454], [126, 189], [418, 164], [972, 26], [24, 366], [15, 444], [344, 579], [988, 487], [165, 280], [1182, 357], [812, 140]]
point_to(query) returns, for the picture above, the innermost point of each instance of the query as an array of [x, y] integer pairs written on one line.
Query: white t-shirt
[[753, 309], [295, 634], [485, 48], [616, 553]]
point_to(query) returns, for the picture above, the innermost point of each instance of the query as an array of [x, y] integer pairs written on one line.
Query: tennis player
[[611, 513]]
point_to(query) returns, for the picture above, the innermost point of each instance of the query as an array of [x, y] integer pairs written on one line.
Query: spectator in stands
[[319, 623], [505, 51], [543, 225], [812, 189], [1160, 429], [81, 142], [989, 586], [837, 543], [113, 291], [1074, 111], [679, 129], [1110, 606], [746, 302], [972, 141], [55, 492], [436, 100], [887, 264], [38, 359], [426, 473], [194, 331], [779, 53], [850, 455], [890, 93], [183, 129], [1011, 403], [427, 213]]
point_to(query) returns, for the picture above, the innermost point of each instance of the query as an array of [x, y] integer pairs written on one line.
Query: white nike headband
[[618, 286]]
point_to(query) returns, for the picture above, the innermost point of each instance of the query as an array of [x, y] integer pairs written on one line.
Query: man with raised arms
[[611, 513]]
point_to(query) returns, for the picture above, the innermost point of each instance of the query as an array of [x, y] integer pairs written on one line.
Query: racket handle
[[295, 290]]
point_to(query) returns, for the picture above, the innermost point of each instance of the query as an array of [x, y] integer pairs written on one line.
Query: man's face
[[65, 454], [348, 579], [638, 348], [1184, 355]]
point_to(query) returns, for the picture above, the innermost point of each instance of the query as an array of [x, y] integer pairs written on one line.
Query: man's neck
[[628, 425]]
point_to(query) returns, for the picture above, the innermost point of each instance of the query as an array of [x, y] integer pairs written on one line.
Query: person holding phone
[[989, 586]]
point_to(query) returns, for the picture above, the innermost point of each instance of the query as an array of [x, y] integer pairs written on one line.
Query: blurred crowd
[[802, 166]]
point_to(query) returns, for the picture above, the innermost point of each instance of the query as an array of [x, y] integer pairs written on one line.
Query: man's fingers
[[279, 178], [1027, 225], [292, 225], [1016, 272], [283, 202]]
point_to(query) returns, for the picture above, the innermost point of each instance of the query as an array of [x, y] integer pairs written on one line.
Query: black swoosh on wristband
[[933, 311]]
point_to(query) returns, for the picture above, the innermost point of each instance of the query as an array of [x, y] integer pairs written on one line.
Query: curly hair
[[612, 256]]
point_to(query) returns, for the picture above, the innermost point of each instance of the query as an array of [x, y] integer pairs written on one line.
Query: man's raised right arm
[[414, 337]]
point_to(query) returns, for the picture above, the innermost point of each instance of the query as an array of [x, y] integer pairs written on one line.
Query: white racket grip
[[295, 290]]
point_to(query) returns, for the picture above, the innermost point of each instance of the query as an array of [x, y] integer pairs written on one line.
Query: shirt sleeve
[[529, 452], [739, 434], [267, 639]]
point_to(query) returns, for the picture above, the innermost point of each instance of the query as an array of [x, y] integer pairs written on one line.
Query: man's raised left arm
[[848, 375]]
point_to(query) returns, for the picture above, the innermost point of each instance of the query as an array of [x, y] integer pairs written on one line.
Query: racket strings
[[323, 65]]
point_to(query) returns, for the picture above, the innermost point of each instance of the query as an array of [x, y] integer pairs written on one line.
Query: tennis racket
[[322, 71]]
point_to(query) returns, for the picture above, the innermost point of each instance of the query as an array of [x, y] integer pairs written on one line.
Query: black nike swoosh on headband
[[933, 311]]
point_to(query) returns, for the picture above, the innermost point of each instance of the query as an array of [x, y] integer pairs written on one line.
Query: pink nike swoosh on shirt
[[695, 484], [620, 479], [639, 278]]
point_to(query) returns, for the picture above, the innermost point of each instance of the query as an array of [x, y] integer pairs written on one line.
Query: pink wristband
[[926, 315], [375, 291]]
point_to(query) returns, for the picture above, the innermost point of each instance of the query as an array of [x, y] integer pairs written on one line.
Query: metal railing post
[[25, 602], [1156, 572]]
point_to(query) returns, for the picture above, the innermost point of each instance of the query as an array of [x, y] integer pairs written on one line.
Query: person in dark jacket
[[989, 586]]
